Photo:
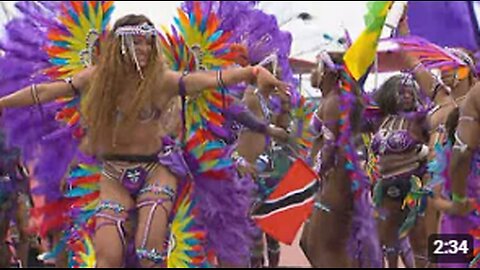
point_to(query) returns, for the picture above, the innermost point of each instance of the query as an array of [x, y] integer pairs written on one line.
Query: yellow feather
[[84, 26], [98, 16]]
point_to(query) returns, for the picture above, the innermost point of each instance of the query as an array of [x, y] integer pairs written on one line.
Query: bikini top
[[393, 140], [144, 116]]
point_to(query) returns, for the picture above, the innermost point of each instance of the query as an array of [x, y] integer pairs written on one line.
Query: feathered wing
[[23, 63], [51, 41], [432, 56], [48, 41], [197, 42]]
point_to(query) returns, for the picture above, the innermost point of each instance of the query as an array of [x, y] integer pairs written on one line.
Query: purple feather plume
[[225, 205], [22, 65]]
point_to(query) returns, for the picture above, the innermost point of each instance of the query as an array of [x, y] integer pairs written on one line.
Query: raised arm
[[432, 87], [44, 93], [282, 118], [467, 142], [202, 80]]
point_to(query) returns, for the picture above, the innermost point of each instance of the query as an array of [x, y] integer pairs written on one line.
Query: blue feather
[[78, 192], [63, 44], [59, 61], [203, 25], [74, 16], [86, 10], [179, 25], [106, 17], [215, 36]]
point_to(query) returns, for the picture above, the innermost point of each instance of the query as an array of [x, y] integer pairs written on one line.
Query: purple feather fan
[[224, 208], [28, 128]]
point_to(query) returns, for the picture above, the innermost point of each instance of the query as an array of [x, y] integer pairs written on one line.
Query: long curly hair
[[115, 75]]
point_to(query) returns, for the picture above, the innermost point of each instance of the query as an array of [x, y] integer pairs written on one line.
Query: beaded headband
[[126, 33], [136, 30]]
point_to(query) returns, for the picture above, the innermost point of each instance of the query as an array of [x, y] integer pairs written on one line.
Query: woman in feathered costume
[[447, 92], [462, 176], [252, 145], [126, 92], [260, 41], [342, 229], [453, 94], [399, 144]]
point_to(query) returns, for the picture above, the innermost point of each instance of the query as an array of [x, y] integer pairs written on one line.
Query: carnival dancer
[[461, 186], [250, 150], [454, 168], [342, 230], [458, 84], [400, 147], [134, 176], [258, 40]]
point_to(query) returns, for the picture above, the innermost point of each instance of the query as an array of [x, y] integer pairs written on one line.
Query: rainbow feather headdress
[[74, 39]]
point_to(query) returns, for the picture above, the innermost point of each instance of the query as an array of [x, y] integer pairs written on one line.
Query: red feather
[[86, 180], [212, 155], [197, 12], [77, 6]]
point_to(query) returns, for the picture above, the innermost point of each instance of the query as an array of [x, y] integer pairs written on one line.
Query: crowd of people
[[172, 140]]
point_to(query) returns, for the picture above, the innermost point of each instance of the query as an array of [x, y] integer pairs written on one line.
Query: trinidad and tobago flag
[[282, 214]]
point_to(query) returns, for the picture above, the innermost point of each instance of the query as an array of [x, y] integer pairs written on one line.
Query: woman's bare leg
[[419, 238], [111, 234], [389, 228], [257, 259], [273, 251], [22, 217], [154, 205], [330, 230]]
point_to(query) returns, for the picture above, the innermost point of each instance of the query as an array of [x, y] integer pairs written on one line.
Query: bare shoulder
[[472, 102], [82, 78], [168, 83], [474, 93], [330, 108], [89, 71]]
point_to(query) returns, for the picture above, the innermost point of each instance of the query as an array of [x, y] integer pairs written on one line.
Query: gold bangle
[[34, 93], [36, 98]]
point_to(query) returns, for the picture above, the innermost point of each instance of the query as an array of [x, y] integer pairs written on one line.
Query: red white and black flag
[[282, 214]]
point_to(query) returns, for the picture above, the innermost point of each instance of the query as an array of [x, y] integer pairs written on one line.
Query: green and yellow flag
[[362, 53]]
